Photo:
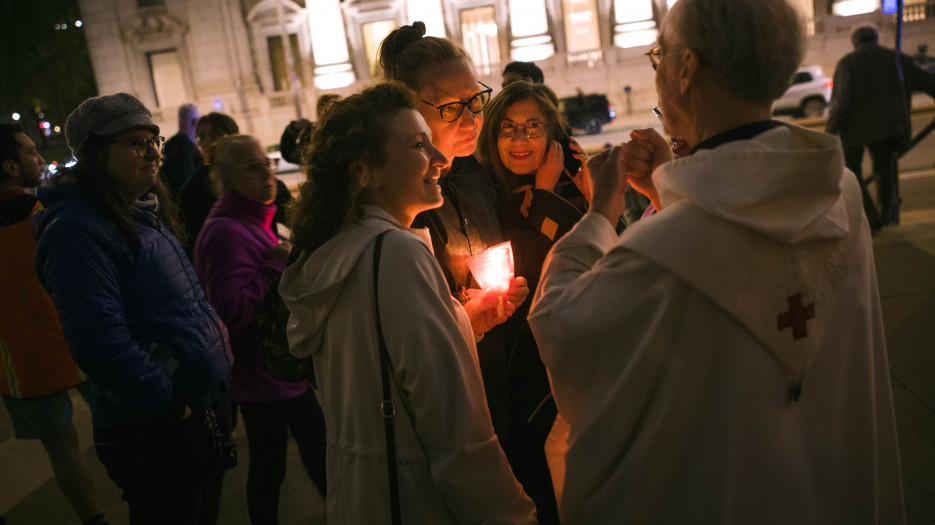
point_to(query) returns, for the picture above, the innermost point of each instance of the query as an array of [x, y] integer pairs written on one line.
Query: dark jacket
[[180, 158], [136, 319], [872, 93]]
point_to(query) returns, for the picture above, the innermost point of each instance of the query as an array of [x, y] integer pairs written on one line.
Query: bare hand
[[647, 151], [484, 310], [281, 251], [609, 182], [582, 179], [551, 169], [518, 290]]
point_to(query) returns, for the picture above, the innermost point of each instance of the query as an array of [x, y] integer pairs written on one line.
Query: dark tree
[[43, 69]]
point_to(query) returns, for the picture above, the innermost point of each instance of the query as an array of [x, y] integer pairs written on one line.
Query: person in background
[[722, 358], [451, 99], [198, 194], [237, 257], [298, 133], [515, 71], [870, 104], [181, 157], [37, 370], [371, 169], [521, 151], [135, 318]]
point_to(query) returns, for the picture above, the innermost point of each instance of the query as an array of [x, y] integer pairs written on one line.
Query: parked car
[[808, 96], [587, 112]]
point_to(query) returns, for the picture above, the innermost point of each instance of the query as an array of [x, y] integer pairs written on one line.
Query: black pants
[[166, 469], [883, 156], [266, 425]]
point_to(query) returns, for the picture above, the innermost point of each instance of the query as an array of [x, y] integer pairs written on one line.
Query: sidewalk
[[905, 260]]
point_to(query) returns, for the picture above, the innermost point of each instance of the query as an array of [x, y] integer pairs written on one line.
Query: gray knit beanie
[[106, 115]]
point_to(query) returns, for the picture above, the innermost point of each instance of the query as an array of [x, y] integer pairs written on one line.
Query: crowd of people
[[653, 376]]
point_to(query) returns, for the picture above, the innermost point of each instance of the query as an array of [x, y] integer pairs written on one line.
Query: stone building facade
[[265, 62]]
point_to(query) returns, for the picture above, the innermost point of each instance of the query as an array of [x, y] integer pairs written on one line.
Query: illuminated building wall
[[265, 62]]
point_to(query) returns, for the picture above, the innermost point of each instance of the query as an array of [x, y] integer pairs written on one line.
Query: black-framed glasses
[[271, 164], [655, 57], [142, 144], [452, 111], [531, 130]]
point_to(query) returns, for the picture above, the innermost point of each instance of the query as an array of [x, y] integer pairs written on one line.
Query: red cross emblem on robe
[[796, 317]]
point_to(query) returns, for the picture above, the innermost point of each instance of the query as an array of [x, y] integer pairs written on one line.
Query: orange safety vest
[[33, 351]]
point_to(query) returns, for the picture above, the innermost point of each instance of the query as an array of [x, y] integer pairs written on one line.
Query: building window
[[168, 80], [429, 12], [374, 33], [277, 61], [634, 23], [529, 28], [854, 7], [582, 32], [479, 34]]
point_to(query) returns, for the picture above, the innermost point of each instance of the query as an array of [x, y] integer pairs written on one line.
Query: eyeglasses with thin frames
[[531, 130], [142, 144], [452, 111], [271, 164], [655, 57]]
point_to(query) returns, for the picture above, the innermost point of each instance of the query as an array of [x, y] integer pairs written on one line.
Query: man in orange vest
[[37, 368]]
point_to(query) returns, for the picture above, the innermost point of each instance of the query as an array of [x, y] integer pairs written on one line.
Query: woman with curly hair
[[371, 169]]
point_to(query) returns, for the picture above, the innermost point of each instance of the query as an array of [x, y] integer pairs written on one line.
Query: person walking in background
[[870, 104], [37, 370], [371, 169], [181, 157], [298, 133], [237, 257], [703, 386], [135, 318]]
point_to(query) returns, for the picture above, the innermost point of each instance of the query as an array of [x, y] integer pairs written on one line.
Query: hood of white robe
[[310, 287], [760, 227]]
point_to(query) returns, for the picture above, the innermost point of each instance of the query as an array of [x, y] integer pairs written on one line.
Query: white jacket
[[451, 468], [676, 350]]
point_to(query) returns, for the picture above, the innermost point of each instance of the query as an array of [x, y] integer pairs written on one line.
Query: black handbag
[[386, 406]]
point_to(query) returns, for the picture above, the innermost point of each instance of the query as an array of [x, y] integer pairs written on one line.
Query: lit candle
[[493, 269]]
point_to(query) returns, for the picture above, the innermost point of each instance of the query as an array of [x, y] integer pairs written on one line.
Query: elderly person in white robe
[[722, 361]]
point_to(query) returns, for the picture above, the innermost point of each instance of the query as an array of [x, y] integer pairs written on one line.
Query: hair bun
[[397, 41]]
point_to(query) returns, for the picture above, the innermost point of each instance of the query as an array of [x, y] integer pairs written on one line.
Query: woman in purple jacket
[[237, 256]]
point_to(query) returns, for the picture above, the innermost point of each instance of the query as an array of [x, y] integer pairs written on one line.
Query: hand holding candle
[[493, 270]]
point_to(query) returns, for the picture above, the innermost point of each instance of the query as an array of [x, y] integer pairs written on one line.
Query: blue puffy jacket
[[136, 321]]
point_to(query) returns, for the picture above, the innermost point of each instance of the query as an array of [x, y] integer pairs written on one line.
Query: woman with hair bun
[[452, 100]]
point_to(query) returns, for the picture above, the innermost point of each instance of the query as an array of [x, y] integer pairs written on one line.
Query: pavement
[[905, 261]]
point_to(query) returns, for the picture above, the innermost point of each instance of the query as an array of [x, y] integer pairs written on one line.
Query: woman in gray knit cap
[[135, 317]]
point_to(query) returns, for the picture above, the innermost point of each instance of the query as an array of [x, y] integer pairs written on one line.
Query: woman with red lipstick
[[237, 256]]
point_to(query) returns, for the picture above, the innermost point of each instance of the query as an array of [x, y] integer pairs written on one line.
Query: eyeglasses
[[531, 130], [658, 112], [655, 57], [267, 165], [452, 111], [142, 144]]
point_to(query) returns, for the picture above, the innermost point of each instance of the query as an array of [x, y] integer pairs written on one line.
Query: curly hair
[[406, 53], [350, 139], [495, 113]]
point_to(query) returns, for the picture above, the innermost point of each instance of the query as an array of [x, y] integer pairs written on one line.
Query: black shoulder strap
[[387, 406]]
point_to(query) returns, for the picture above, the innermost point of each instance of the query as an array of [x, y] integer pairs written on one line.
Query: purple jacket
[[231, 259]]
